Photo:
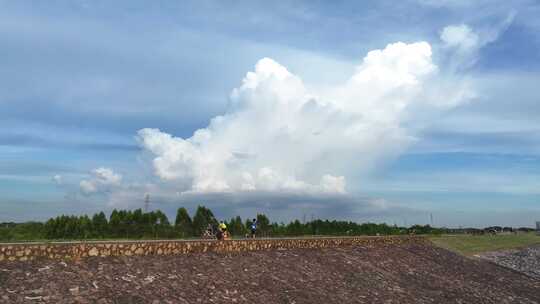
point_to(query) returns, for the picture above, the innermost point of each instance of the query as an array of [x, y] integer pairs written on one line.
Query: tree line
[[136, 224]]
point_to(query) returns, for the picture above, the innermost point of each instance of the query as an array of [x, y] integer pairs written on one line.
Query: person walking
[[253, 228]]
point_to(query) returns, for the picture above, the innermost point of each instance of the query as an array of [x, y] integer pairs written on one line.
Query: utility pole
[[431, 219], [146, 202]]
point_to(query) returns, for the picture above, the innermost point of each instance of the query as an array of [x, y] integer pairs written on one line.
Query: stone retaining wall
[[76, 250]]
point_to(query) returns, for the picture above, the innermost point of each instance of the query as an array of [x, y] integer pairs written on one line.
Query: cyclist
[[223, 231]]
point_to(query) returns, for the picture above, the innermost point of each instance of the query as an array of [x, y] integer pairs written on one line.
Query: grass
[[474, 244]]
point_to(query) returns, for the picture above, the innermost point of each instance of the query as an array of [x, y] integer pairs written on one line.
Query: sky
[[409, 112]]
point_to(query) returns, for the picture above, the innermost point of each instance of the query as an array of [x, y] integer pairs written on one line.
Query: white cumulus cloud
[[106, 176], [101, 180], [279, 136]]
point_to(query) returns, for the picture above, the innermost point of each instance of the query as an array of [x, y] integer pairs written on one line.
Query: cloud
[[107, 176], [88, 187], [466, 42], [57, 179], [102, 180], [460, 36], [279, 136]]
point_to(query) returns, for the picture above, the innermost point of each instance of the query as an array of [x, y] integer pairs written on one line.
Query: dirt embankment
[[405, 273]]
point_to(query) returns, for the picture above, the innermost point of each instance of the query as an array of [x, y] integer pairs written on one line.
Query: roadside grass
[[474, 244]]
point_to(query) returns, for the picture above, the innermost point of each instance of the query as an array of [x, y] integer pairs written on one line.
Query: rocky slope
[[525, 260], [392, 273]]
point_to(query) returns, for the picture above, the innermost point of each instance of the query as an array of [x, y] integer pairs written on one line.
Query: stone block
[[93, 252]]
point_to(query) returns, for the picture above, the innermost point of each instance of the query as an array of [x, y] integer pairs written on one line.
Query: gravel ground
[[412, 273], [526, 260]]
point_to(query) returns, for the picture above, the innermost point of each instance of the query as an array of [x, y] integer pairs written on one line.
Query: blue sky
[[80, 79]]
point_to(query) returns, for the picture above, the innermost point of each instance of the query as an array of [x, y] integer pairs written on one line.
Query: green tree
[[71, 227], [147, 225], [100, 225], [114, 223], [263, 225], [51, 228], [162, 225], [278, 229], [85, 227], [295, 228], [124, 225], [138, 223], [183, 224], [247, 224], [203, 217], [236, 227]]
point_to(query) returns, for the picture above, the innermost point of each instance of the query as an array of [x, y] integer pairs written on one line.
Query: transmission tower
[[146, 202]]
